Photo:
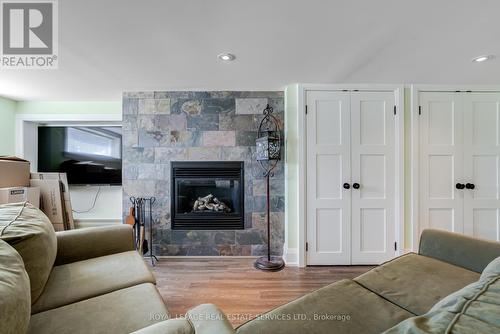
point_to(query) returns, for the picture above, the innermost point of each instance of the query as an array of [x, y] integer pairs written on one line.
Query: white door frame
[[302, 171], [415, 147]]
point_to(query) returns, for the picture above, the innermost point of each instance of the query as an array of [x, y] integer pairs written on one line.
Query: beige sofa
[[438, 290], [92, 281], [82, 281]]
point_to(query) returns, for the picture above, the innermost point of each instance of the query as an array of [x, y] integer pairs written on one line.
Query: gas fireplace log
[[210, 203], [207, 198]]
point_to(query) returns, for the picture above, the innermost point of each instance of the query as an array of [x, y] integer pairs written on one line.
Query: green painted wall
[[7, 122], [62, 107]]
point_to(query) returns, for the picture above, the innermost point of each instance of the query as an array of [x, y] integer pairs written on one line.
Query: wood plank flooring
[[241, 291]]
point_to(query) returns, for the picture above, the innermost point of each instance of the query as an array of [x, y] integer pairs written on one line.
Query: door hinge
[[395, 246], [420, 110], [306, 109], [394, 110], [307, 246]]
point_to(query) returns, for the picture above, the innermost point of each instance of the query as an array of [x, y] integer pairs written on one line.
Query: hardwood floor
[[241, 291]]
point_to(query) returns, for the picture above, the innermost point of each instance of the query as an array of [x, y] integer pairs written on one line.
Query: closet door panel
[[481, 157], [441, 161], [328, 168], [373, 168]]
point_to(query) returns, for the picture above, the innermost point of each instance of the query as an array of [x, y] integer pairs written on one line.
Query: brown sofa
[[82, 281]]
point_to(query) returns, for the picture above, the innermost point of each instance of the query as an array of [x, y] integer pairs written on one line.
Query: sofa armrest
[[91, 242], [208, 319], [460, 250], [203, 319], [171, 326]]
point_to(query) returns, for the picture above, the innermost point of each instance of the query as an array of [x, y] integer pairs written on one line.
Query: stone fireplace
[[164, 129], [207, 195]]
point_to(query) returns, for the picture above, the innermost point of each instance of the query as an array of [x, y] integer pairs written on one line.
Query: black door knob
[[460, 186], [470, 186], [355, 185], [346, 186]]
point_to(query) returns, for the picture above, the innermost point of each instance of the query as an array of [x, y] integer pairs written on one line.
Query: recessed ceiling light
[[480, 59], [226, 56]]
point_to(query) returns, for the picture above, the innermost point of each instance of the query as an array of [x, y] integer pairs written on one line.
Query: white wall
[[107, 209]]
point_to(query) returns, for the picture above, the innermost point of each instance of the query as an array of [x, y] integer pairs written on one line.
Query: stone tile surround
[[160, 127]]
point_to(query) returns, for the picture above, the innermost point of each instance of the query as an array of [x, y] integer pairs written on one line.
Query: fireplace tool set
[[141, 217]]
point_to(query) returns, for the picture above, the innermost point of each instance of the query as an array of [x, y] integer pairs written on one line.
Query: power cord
[[93, 203]]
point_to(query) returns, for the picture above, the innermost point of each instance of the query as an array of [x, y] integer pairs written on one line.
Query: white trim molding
[[94, 222], [290, 256], [398, 90], [414, 170]]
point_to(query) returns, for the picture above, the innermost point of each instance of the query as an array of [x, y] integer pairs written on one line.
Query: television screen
[[88, 155]]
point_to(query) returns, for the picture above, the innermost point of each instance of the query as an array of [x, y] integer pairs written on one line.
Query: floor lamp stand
[[269, 263]]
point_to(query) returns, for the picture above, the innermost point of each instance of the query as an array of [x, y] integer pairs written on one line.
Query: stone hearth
[[160, 127]]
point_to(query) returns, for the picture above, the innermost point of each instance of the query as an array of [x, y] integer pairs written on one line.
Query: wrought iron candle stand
[[268, 155]]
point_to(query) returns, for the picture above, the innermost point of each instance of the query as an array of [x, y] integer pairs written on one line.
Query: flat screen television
[[87, 154]]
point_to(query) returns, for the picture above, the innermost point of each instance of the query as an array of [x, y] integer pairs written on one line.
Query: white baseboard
[[290, 255], [95, 222]]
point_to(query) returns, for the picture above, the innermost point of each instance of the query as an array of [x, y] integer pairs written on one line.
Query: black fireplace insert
[[207, 195]]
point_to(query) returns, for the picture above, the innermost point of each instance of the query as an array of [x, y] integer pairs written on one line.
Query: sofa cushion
[[80, 280], [473, 309], [172, 326], [209, 319], [121, 311], [203, 319], [15, 300], [416, 282], [492, 269], [342, 307], [30, 232]]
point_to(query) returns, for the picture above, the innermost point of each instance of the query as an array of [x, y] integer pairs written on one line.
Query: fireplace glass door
[[207, 195]]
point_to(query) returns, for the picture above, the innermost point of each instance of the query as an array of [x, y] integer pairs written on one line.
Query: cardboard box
[[51, 201], [20, 194], [67, 208], [14, 172]]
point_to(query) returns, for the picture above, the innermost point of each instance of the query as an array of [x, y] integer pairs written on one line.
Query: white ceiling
[[107, 47]]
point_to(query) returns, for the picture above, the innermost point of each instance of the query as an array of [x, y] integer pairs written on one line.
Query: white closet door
[[373, 168], [328, 203], [441, 161], [481, 157]]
